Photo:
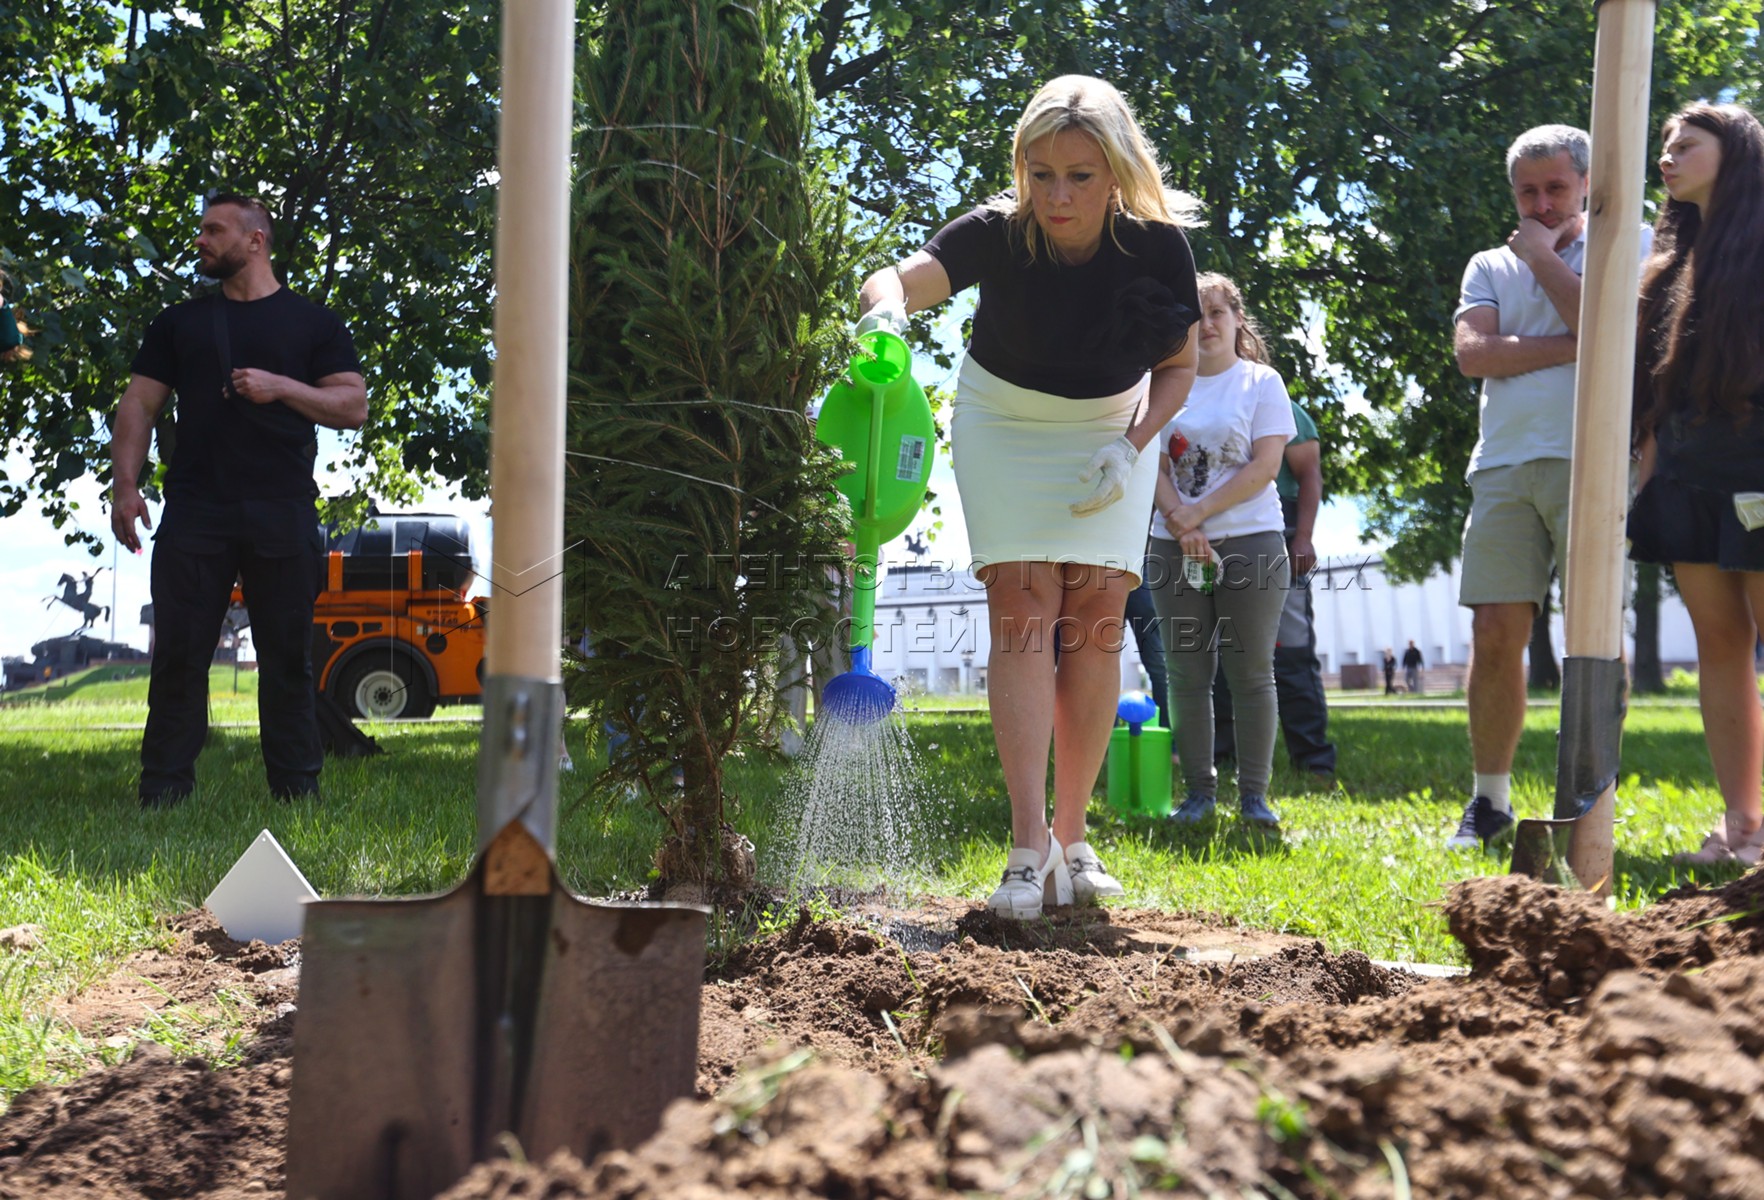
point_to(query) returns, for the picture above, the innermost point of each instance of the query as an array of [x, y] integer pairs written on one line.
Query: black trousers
[[274, 550], [1142, 618]]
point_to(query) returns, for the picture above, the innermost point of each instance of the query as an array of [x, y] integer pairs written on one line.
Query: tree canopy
[[1350, 157]]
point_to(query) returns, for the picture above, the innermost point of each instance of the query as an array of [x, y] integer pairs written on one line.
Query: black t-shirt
[[227, 447], [1078, 331], [1716, 452]]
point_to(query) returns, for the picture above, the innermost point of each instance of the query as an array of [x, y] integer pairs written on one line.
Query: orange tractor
[[395, 630]]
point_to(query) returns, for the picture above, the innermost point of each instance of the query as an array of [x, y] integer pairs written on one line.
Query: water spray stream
[[852, 811]]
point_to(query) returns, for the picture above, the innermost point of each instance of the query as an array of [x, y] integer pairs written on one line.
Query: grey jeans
[[1233, 627]]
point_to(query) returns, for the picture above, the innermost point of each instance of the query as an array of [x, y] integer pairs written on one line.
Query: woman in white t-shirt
[[1217, 564]]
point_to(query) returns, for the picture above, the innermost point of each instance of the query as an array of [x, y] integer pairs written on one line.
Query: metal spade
[[433, 1029], [1574, 847]]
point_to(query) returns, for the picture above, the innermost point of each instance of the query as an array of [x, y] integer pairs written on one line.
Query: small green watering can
[[878, 419], [1139, 758]]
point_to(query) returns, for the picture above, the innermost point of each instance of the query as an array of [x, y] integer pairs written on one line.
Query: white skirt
[[1017, 456]]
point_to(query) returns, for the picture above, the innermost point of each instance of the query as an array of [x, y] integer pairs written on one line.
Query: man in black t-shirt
[[256, 369]]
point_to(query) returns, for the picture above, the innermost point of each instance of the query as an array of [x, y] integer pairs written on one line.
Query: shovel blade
[[1572, 852], [393, 1096], [619, 1017], [381, 1100], [1540, 851]]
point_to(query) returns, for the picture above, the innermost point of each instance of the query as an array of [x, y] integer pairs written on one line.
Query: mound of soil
[[1589, 1054], [156, 1125]]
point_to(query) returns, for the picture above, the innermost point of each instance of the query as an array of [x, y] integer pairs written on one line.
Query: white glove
[[1114, 462], [886, 315]]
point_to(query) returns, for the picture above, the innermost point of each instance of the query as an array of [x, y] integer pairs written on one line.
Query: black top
[[1716, 452], [1078, 331], [227, 447]]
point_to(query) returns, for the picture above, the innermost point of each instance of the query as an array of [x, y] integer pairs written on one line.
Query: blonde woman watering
[[1079, 355]]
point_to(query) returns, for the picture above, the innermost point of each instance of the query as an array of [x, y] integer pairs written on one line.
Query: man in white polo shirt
[[1517, 330]]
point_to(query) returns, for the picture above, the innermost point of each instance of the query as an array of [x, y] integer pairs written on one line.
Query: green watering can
[[878, 419]]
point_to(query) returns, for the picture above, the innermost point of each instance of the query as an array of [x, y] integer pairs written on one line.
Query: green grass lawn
[[1356, 866], [117, 695], [69, 686]]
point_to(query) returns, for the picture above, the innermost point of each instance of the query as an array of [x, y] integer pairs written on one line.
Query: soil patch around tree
[[1099, 1053]]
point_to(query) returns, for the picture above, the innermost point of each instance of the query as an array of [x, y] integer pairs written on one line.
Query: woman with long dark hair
[[1700, 430]]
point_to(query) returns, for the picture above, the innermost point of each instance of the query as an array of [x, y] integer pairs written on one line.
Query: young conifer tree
[[710, 292]]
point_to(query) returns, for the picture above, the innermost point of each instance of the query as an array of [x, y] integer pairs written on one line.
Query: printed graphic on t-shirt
[[1199, 465], [1214, 437]]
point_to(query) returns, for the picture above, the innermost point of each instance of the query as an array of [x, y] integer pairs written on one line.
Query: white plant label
[[912, 459]]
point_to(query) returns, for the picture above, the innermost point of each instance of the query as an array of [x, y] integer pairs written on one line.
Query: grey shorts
[[1518, 528]]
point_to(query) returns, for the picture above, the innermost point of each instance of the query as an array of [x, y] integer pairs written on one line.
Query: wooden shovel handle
[[1592, 622], [515, 864], [532, 307]]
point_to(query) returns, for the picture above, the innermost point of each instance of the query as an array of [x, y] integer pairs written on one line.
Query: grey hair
[[1547, 141]]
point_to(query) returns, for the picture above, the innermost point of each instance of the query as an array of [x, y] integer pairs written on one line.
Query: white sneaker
[[1030, 881], [1091, 881]]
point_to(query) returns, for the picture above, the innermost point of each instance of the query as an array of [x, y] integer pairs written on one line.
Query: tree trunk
[[694, 853], [1649, 678], [1545, 672]]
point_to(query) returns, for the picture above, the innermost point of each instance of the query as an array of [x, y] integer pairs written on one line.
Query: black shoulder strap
[[223, 344]]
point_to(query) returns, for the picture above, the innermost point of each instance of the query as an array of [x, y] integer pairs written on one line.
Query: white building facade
[[931, 632]]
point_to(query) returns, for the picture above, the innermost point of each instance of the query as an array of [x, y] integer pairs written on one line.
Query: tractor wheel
[[381, 687]]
